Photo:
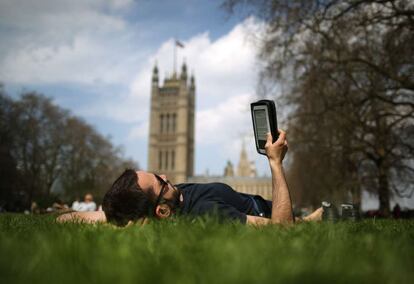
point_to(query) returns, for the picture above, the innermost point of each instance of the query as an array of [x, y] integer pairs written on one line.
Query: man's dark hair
[[125, 201]]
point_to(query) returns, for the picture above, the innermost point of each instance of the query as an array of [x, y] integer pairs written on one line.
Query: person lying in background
[[87, 205], [136, 196]]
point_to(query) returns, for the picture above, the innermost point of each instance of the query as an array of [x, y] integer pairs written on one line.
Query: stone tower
[[229, 170], [245, 167], [171, 130]]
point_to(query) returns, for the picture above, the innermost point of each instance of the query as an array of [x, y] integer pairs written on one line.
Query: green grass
[[34, 249]]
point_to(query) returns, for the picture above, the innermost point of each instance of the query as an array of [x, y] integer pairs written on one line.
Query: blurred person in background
[[34, 208], [75, 204], [87, 205], [57, 206]]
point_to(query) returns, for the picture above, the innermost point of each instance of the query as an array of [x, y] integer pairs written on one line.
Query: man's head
[[88, 198], [138, 194]]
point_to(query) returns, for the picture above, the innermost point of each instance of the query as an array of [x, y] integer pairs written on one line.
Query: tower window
[[172, 159], [168, 122], [166, 160], [162, 123], [174, 122], [160, 160]]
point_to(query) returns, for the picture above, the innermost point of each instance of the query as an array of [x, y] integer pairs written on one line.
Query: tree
[[43, 145], [37, 125], [90, 161], [9, 177], [351, 66]]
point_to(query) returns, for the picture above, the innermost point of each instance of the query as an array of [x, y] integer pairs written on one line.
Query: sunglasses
[[164, 188]]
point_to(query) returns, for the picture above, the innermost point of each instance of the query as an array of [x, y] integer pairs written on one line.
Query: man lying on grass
[[137, 195]]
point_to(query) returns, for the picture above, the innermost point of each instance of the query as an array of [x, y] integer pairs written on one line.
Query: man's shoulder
[[211, 198], [205, 190], [202, 185]]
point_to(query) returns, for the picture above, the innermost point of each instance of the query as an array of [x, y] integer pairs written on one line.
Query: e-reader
[[264, 121]]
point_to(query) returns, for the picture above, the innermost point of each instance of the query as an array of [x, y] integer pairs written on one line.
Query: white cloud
[[140, 132], [224, 122], [225, 79], [74, 41], [63, 15], [89, 42], [223, 68], [225, 82]]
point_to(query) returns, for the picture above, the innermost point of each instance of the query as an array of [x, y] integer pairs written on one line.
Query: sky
[[95, 57]]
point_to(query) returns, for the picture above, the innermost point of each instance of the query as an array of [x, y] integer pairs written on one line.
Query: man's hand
[[276, 151]]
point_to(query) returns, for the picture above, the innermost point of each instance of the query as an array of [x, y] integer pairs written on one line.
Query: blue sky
[[95, 58]]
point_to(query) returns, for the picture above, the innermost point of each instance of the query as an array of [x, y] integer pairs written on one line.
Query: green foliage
[[345, 70], [34, 249], [46, 151]]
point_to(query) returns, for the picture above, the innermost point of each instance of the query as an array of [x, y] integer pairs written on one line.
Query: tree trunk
[[383, 190]]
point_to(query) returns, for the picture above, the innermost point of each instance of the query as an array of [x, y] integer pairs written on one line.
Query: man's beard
[[174, 203]]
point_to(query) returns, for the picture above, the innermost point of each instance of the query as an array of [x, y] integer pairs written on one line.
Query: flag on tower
[[179, 44]]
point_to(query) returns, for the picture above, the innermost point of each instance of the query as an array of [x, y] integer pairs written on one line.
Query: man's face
[[149, 183], [88, 198]]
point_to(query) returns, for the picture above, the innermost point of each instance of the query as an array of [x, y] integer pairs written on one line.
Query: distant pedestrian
[[75, 204], [87, 205], [34, 208], [57, 206], [396, 212]]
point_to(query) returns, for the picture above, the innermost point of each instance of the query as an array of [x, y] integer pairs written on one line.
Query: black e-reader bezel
[[270, 109]]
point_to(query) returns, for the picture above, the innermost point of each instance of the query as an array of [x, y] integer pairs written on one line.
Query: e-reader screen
[[261, 124]]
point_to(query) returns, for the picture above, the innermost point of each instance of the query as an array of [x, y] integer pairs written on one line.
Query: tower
[[245, 167], [228, 170], [171, 131]]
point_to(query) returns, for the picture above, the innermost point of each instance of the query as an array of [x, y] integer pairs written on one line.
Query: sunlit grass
[[34, 249]]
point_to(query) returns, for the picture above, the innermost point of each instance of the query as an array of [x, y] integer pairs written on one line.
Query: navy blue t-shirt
[[216, 198]]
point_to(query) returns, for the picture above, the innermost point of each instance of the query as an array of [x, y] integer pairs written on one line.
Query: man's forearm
[[281, 202]]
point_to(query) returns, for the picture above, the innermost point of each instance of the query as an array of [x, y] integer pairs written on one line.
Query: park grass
[[35, 249]]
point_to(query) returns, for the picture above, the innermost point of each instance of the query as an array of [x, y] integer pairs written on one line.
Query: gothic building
[[171, 138], [244, 180], [171, 129], [245, 168]]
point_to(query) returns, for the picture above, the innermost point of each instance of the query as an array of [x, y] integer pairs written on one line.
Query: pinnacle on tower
[[155, 75], [184, 72], [245, 167], [192, 82], [228, 170]]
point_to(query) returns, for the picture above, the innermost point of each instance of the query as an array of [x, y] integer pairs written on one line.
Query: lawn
[[34, 249]]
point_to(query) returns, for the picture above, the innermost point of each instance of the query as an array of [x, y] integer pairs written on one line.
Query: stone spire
[[228, 170], [245, 167], [192, 82], [155, 77], [184, 72]]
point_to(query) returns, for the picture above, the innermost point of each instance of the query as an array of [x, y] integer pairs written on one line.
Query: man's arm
[[83, 217], [315, 216], [258, 221], [281, 203]]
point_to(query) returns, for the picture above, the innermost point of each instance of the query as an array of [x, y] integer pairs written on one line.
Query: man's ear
[[162, 211]]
